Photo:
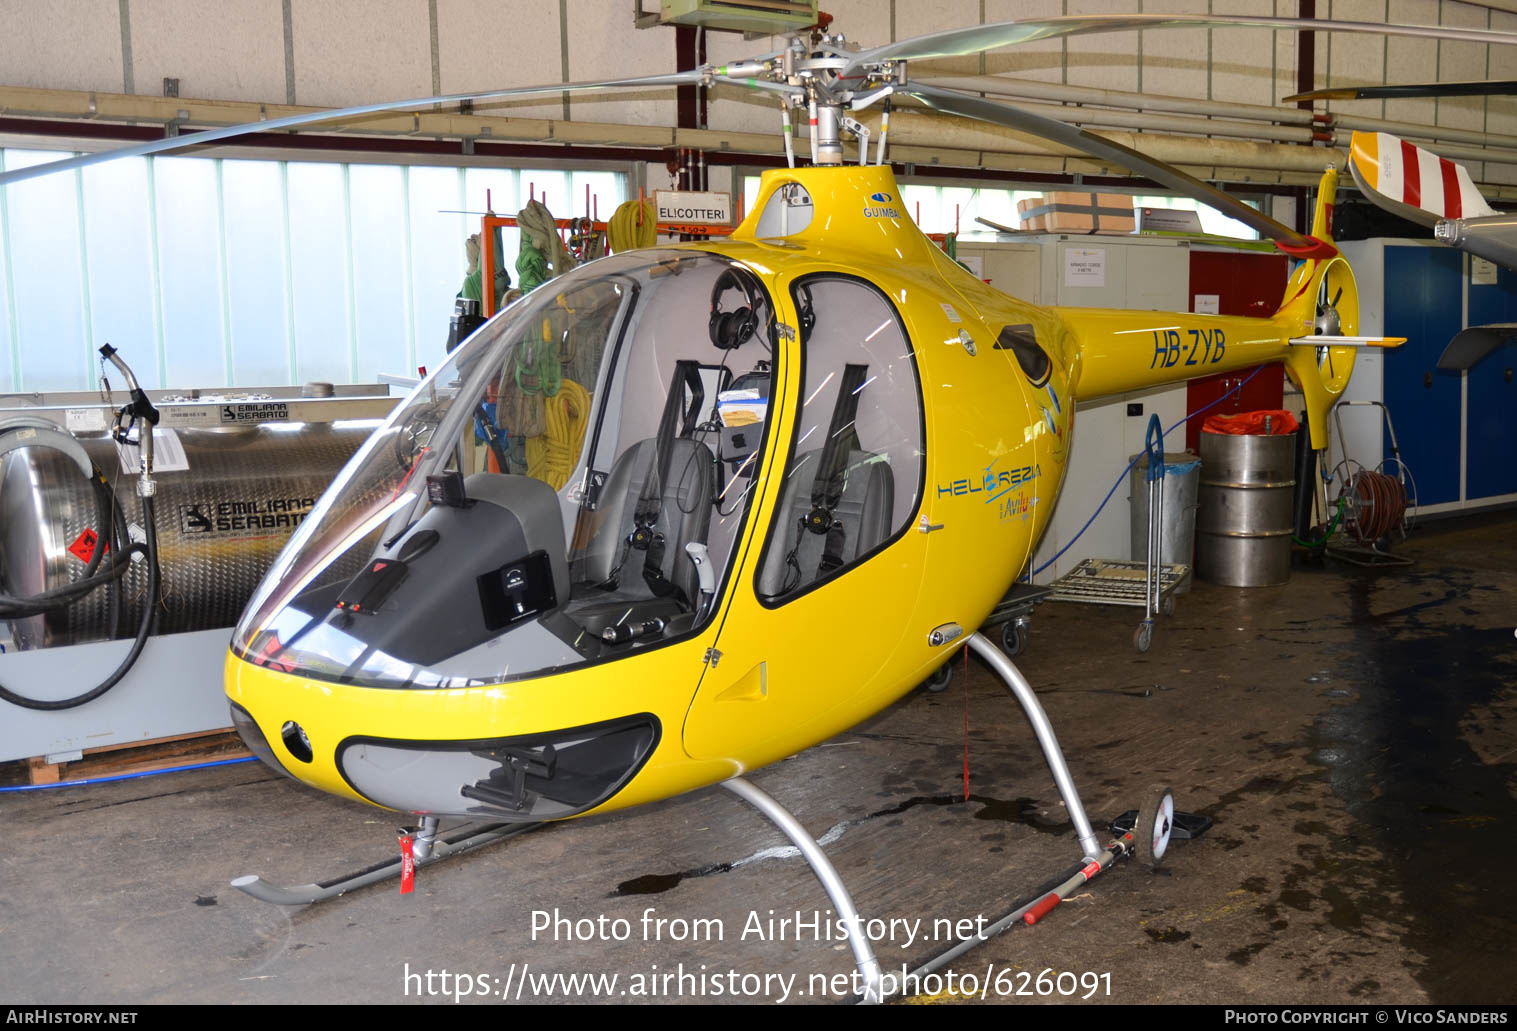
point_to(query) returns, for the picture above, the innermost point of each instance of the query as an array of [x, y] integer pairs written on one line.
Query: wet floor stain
[[1168, 936], [1024, 811], [1432, 811]]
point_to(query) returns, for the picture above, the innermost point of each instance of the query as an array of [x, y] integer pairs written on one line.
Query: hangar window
[[853, 478], [212, 272]]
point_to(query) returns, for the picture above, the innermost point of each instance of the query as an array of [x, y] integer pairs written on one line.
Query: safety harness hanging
[[832, 474], [644, 537]]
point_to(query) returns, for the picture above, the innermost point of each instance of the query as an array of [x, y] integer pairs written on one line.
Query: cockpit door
[[825, 586]]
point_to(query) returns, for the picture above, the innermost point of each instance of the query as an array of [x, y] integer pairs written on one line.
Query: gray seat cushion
[[684, 516], [864, 510]]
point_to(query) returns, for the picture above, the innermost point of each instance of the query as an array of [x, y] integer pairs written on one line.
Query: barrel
[[1243, 525], [1177, 532]]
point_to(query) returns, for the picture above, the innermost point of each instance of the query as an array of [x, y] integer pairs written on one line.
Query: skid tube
[[1032, 908], [427, 848]]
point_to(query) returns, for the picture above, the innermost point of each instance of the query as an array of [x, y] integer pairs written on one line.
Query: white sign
[[168, 454], [1168, 220], [84, 420], [1085, 267], [1208, 304], [1482, 272], [975, 263], [707, 207]]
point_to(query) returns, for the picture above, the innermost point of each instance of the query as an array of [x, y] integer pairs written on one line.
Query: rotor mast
[[808, 73]]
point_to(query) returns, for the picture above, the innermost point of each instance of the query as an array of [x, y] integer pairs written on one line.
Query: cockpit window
[[854, 476], [573, 479]]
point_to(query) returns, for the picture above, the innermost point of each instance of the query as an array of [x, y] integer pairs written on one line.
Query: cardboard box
[[1072, 211]]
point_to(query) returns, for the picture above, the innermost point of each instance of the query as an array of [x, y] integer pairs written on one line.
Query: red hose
[[1379, 506]]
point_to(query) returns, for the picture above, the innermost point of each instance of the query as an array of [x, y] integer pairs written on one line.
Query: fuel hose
[[121, 559]]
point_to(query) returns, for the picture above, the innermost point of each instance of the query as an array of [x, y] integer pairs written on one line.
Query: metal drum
[[1244, 523], [1180, 484], [221, 522]]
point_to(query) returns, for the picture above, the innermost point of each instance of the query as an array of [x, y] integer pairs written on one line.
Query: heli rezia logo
[[881, 207], [993, 484]]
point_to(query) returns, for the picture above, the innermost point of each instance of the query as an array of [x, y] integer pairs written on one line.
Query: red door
[[1243, 283]]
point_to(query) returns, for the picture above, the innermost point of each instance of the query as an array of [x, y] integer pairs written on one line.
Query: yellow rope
[[551, 456], [624, 232]]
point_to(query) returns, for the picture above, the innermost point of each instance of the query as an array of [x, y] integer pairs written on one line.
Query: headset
[[732, 329]]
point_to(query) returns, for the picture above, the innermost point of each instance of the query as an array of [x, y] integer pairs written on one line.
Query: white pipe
[[920, 129], [789, 137], [1006, 86]]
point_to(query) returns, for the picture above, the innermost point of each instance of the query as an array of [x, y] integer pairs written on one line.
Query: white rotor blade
[[312, 118], [954, 103], [977, 38]]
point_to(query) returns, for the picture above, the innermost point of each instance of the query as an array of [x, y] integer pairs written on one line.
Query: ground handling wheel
[[938, 682], [1156, 821], [1013, 638]]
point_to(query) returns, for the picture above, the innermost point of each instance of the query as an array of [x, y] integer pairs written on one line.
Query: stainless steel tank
[[1177, 535], [220, 524], [1244, 522]]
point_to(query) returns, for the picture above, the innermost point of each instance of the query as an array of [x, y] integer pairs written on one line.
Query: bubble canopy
[[567, 488]]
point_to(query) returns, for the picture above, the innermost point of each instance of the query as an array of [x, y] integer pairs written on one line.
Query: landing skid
[[426, 848], [1147, 840]]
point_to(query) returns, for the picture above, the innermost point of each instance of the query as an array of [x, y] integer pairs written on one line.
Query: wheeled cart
[[1150, 583]]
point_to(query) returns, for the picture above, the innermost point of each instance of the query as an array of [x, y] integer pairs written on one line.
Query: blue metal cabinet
[[1423, 302], [1491, 401]]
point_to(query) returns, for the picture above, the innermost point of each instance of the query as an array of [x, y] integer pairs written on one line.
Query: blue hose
[[1123, 474], [129, 776]]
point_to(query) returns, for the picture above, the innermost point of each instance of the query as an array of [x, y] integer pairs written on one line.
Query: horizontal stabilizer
[[1473, 344], [1329, 340]]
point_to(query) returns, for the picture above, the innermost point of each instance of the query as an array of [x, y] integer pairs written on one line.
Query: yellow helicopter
[[682, 512]]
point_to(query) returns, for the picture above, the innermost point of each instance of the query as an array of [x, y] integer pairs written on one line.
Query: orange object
[[1281, 422]]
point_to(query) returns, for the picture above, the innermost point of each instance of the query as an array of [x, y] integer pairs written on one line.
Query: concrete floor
[[1353, 734]]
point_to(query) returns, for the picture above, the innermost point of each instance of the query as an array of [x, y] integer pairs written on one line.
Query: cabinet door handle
[[1508, 376], [1427, 380]]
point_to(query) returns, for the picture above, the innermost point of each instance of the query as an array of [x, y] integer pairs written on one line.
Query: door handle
[[1427, 380]]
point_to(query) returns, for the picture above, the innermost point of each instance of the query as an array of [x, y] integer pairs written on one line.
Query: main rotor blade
[[333, 114], [977, 38], [1481, 88], [954, 103]]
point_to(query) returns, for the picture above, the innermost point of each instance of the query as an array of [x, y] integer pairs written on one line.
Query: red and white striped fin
[[1405, 174]]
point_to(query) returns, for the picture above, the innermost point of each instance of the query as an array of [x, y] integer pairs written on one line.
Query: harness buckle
[[818, 520]]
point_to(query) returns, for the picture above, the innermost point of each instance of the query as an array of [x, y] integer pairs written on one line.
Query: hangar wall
[[335, 52]]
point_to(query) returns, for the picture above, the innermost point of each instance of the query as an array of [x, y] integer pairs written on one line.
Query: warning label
[[264, 411], [221, 518], [83, 547]]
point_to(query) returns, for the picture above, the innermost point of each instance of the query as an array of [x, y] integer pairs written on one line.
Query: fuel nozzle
[[140, 413]]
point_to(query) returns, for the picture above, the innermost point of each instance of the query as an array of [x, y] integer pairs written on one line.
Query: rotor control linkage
[[506, 786]]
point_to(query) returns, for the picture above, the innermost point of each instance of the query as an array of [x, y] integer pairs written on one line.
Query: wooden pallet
[[131, 757]]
